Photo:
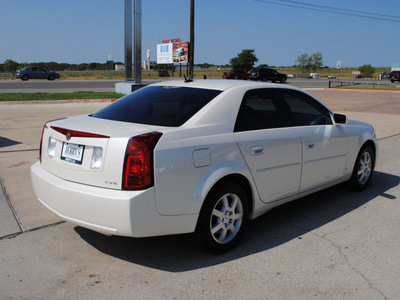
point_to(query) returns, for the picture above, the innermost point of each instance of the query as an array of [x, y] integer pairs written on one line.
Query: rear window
[[158, 105]]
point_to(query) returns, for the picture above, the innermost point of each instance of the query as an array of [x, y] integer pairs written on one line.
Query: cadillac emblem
[[68, 135]]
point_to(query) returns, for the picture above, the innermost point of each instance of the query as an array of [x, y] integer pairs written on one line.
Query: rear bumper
[[111, 212]]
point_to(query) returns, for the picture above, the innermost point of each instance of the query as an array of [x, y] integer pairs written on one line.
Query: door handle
[[257, 150], [310, 145]]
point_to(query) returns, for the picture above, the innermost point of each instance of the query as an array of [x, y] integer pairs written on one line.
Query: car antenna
[[187, 79]]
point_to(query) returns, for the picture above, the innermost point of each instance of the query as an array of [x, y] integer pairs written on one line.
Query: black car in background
[[36, 73], [265, 74], [394, 76]]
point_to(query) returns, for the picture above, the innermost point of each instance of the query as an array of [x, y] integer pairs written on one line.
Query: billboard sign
[[164, 53], [172, 51], [181, 50]]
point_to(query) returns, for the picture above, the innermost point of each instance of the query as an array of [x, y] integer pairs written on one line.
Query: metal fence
[[339, 83]]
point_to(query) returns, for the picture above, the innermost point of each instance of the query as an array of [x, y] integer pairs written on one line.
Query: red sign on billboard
[[171, 41]]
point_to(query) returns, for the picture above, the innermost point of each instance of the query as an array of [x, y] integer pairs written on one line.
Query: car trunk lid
[[88, 150]]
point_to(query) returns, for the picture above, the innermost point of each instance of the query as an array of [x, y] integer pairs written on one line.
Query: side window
[[305, 110], [260, 110]]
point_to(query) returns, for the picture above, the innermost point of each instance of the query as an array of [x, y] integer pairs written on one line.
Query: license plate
[[72, 153]]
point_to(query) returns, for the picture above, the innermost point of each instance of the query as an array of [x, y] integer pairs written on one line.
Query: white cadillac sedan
[[204, 157]]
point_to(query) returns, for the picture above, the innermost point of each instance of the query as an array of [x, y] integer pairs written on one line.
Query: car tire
[[25, 77], [283, 80], [236, 77], [363, 169], [51, 77], [223, 217], [392, 81], [264, 79]]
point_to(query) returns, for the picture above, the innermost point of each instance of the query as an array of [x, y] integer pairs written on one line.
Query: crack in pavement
[[339, 251], [13, 235]]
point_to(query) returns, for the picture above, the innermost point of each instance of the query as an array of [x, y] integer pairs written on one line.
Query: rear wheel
[[223, 217], [363, 169]]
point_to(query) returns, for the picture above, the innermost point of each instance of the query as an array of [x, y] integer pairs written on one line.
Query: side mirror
[[340, 118]]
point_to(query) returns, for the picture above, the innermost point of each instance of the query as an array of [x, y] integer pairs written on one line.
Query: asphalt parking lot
[[335, 244]]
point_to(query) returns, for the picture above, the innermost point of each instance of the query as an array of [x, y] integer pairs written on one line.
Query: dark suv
[[265, 74], [394, 76]]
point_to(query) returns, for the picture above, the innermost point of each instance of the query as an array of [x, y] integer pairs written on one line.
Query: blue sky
[[77, 31]]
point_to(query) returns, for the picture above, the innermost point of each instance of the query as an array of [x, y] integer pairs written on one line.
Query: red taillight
[[138, 166], [41, 139]]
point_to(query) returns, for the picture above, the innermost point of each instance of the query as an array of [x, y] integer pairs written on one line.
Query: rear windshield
[[158, 105]]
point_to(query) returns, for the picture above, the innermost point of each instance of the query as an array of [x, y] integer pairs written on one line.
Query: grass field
[[344, 73]]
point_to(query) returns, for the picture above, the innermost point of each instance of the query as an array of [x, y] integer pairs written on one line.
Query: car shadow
[[180, 253], [5, 142]]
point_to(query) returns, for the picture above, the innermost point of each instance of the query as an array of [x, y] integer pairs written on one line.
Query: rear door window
[[158, 105]]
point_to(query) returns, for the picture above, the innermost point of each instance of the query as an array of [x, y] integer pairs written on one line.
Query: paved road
[[35, 86], [335, 244]]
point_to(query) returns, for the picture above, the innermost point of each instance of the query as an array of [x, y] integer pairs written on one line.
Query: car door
[[42, 73], [324, 144], [33, 73], [270, 147]]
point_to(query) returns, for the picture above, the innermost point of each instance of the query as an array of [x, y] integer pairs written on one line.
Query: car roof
[[222, 84]]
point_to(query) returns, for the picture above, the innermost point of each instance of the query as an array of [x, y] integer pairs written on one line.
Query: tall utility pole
[[128, 39], [137, 12], [133, 33], [191, 45]]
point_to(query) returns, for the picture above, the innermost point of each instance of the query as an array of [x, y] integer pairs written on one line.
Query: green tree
[[205, 65], [244, 61], [303, 62], [367, 70], [10, 66], [309, 63], [315, 61]]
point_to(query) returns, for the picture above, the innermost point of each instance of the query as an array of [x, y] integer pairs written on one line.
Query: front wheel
[[283, 80], [51, 77], [25, 77], [223, 217], [363, 169]]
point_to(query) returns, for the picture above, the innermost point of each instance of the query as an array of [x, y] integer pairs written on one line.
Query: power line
[[334, 10]]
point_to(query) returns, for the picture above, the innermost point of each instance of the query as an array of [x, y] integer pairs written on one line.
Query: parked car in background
[[394, 76], [267, 74], [331, 77], [205, 156], [36, 73], [235, 75]]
